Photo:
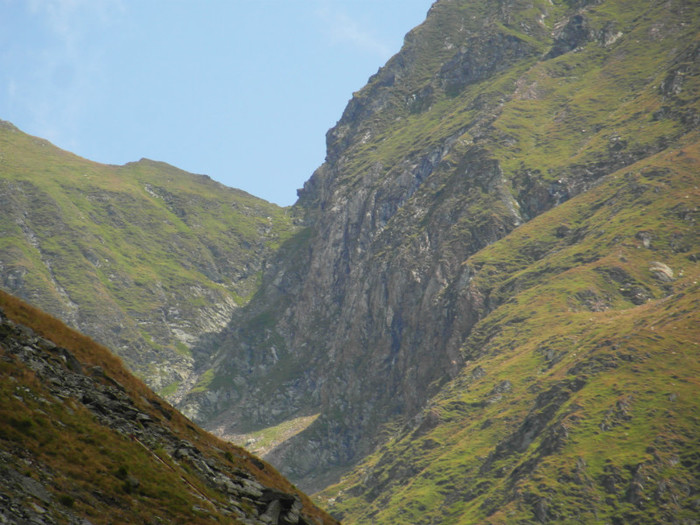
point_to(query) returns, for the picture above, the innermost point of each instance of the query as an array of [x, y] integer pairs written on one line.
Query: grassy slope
[[84, 464], [399, 132], [552, 121], [598, 418], [133, 247], [550, 115], [572, 295]]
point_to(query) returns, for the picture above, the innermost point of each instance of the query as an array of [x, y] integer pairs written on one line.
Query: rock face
[[151, 464], [491, 115], [487, 307], [144, 257], [574, 382]]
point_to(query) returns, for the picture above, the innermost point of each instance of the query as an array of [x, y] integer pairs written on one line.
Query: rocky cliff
[[482, 308], [577, 399], [493, 114], [83, 441], [144, 257]]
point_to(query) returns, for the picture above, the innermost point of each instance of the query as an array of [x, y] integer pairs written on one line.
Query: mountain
[[83, 441], [145, 258], [510, 197], [578, 398], [483, 306]]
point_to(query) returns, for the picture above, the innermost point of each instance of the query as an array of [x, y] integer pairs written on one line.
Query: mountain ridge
[[442, 154], [571, 387], [481, 300], [144, 257]]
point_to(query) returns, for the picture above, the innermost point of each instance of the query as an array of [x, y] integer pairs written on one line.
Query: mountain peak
[[488, 118], [482, 306]]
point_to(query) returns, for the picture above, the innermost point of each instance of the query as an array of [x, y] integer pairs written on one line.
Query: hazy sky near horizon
[[241, 90]]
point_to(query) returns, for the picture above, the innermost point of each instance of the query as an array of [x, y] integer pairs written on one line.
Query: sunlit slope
[[143, 257], [579, 397], [492, 114], [82, 438]]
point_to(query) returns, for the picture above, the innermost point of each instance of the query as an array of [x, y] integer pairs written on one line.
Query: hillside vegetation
[[82, 438], [495, 119], [578, 401], [483, 306], [145, 258]]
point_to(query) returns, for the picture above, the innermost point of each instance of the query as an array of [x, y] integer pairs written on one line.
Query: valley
[[482, 308]]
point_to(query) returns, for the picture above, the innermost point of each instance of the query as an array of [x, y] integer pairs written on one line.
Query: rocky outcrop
[[563, 410], [145, 424], [488, 117], [575, 33], [480, 58]]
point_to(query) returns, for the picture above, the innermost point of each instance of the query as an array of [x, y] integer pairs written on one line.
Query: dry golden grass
[[85, 456]]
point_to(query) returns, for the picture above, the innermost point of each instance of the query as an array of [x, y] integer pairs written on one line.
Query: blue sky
[[241, 90]]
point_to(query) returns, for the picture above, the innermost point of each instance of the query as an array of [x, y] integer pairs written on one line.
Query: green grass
[[203, 381], [262, 441], [170, 389], [517, 137], [557, 316], [132, 246]]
